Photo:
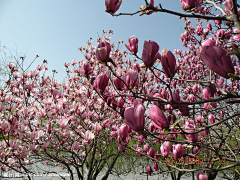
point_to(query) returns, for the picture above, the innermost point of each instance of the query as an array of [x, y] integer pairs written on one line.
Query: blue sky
[[54, 29]]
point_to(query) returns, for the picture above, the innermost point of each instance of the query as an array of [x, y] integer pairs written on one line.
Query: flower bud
[[101, 81], [165, 148], [211, 118], [132, 45], [103, 51], [168, 63], [134, 117], [132, 79], [118, 83], [150, 53], [178, 151], [149, 170], [112, 5], [189, 4], [151, 152], [217, 60], [228, 5], [87, 69], [202, 176], [158, 117]]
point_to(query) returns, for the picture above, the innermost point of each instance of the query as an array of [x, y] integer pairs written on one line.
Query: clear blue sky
[[54, 29]]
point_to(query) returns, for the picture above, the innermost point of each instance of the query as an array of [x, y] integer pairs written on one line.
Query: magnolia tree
[[176, 111], [188, 102]]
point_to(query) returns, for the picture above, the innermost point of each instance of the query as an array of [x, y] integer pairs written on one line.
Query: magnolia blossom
[[228, 5], [103, 51], [118, 83], [132, 79], [122, 133], [11, 161], [87, 69], [101, 81], [178, 151], [151, 152], [190, 128], [165, 148], [155, 166], [189, 4], [169, 63], [202, 176], [217, 60], [150, 53], [97, 127], [112, 5], [121, 148], [211, 118], [45, 145], [196, 150], [149, 170], [134, 117], [209, 42], [89, 136], [75, 146], [132, 45], [158, 117]]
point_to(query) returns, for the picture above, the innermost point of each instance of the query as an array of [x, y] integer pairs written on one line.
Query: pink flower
[[97, 127], [228, 5], [75, 146], [175, 97], [178, 152], [88, 136], [189, 4], [149, 170], [122, 133], [101, 81], [118, 83], [150, 53], [211, 118], [151, 3], [33, 147], [145, 148], [158, 117], [151, 152], [112, 5], [190, 129], [120, 102], [139, 151], [87, 69], [103, 51], [165, 148], [202, 176], [14, 144], [209, 26], [63, 123], [45, 145], [183, 108], [121, 148], [196, 150], [168, 63], [132, 79], [134, 117], [155, 166], [209, 42], [10, 161], [132, 45], [217, 60], [208, 92]]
